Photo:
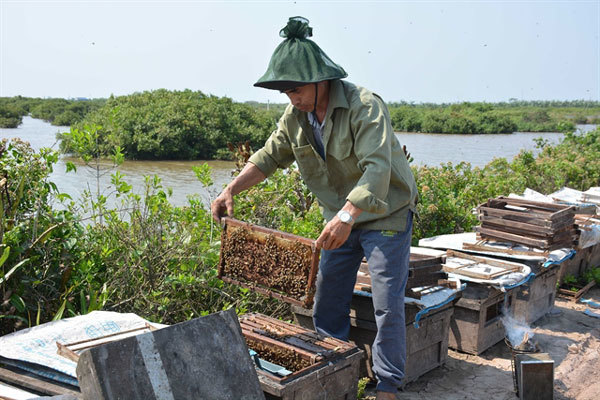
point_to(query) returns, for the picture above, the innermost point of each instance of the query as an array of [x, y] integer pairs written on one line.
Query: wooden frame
[[318, 350], [547, 226], [40, 385], [575, 296], [260, 233], [69, 350], [505, 267], [483, 245]]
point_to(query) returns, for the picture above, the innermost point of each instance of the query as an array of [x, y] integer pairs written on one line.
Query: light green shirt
[[364, 162]]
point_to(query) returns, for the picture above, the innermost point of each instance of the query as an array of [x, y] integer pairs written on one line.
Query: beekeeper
[[341, 137]]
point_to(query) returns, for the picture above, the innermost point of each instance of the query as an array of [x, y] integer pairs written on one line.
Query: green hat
[[297, 60]]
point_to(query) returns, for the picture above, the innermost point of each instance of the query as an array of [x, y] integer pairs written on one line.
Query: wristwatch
[[345, 217]]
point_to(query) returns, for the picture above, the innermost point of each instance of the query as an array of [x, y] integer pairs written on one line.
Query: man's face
[[302, 97]]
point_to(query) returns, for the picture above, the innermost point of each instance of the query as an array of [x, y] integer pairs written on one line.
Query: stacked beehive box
[[545, 226], [424, 273]]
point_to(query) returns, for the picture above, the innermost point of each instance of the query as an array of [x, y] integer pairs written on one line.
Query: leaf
[[18, 302], [39, 313], [5, 255], [71, 167], [83, 302], [12, 270], [60, 311]]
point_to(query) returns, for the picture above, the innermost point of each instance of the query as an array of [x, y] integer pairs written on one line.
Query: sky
[[415, 51]]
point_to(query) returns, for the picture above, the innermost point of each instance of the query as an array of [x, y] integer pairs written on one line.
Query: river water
[[426, 149]]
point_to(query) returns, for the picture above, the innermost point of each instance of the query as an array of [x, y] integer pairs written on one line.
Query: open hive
[[545, 226], [292, 347], [424, 273], [268, 261]]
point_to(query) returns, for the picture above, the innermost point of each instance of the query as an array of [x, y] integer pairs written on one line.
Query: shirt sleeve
[[276, 153], [373, 136]]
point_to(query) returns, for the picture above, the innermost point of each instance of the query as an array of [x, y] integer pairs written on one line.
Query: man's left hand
[[334, 234]]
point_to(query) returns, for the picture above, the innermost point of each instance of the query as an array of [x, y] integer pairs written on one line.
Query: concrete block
[[205, 358]]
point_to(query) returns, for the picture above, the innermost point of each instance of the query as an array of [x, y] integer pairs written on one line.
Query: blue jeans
[[388, 256]]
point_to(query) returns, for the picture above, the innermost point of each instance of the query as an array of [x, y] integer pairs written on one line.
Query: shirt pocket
[[307, 161], [340, 149], [343, 161]]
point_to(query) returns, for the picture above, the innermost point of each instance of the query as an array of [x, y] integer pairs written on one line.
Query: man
[[341, 138]]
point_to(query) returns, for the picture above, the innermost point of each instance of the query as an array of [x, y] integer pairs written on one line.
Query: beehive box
[[321, 367], [476, 324], [424, 271], [426, 346], [546, 226], [536, 298], [274, 263]]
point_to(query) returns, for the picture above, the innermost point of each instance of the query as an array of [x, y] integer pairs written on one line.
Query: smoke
[[517, 331]]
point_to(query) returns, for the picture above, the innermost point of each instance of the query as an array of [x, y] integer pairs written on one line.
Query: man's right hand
[[221, 205]]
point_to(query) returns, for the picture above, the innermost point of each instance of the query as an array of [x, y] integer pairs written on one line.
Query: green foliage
[[146, 256], [36, 240], [64, 112], [592, 274], [60, 112], [10, 116], [166, 124], [362, 386], [449, 193], [282, 202], [570, 279], [456, 118], [476, 118]]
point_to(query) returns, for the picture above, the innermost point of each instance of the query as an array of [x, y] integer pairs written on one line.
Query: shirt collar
[[337, 96]]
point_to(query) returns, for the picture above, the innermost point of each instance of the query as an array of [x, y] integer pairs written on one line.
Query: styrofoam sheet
[[455, 242], [36, 346], [501, 282]]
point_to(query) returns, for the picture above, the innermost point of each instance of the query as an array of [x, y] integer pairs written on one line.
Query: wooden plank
[[556, 214], [38, 385], [513, 238], [423, 260], [516, 215], [491, 249], [565, 233], [484, 260], [506, 205], [533, 203], [485, 219], [574, 296]]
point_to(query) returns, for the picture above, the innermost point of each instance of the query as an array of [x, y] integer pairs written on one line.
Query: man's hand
[[221, 205], [250, 176], [334, 234]]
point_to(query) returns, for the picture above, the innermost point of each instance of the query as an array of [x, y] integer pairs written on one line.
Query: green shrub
[[185, 125]]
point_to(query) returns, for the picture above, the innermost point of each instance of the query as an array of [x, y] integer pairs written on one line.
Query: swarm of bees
[[286, 358], [272, 262]]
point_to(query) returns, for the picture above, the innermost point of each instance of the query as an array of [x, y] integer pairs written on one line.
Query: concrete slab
[[205, 358]]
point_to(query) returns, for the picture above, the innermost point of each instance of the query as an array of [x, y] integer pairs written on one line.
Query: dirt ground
[[571, 338]]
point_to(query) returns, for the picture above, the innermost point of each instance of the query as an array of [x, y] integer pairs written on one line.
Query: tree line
[[164, 124], [59, 112]]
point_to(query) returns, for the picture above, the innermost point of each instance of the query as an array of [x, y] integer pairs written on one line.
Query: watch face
[[345, 217]]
